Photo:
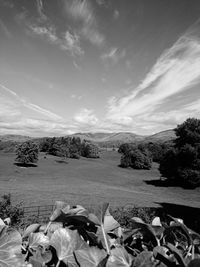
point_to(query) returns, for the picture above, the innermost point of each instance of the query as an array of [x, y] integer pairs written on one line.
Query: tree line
[[179, 160], [65, 147]]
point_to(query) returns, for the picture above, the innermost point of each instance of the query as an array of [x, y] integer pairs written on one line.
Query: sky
[[70, 66]]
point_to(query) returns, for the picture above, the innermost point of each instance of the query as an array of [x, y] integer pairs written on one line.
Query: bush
[[89, 150], [136, 159], [7, 209], [27, 153]]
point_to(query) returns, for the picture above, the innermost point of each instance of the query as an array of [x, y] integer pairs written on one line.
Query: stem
[[47, 228], [58, 263], [192, 252], [105, 239]]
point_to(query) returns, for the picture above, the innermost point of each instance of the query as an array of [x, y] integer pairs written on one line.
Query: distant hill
[[14, 138], [163, 136], [116, 139]]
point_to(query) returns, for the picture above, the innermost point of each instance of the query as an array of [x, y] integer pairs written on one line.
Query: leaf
[[10, 248], [59, 205], [177, 254], [146, 230], [110, 223], [31, 229], [1, 222], [77, 210], [145, 259], [38, 239], [90, 257], [119, 257], [42, 256], [160, 253], [156, 221], [65, 242], [92, 217], [101, 211]]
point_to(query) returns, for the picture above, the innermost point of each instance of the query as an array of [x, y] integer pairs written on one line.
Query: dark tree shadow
[[25, 165], [169, 183], [61, 161], [190, 215]]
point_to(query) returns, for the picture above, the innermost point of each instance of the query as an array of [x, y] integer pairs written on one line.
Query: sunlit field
[[88, 181]]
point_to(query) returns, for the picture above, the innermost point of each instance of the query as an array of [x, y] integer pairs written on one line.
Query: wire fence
[[38, 213]]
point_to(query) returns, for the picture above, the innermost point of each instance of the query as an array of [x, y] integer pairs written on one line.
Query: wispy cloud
[[5, 29], [113, 55], [86, 117], [39, 4], [24, 103], [177, 70], [82, 12]]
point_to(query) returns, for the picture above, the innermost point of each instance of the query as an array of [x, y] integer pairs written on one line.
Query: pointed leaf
[[90, 257], [10, 247], [31, 229], [65, 242], [110, 223], [156, 221], [38, 239], [177, 254], [119, 257]]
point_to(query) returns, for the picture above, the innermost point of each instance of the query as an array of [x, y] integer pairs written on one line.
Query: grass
[[88, 182]]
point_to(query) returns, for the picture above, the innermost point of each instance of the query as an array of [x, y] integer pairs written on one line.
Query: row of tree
[[179, 160], [66, 147]]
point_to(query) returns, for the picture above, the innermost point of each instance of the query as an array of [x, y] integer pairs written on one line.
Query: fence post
[[38, 211]]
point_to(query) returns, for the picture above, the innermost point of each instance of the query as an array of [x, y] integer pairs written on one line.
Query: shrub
[[27, 153], [136, 159], [89, 150], [7, 209]]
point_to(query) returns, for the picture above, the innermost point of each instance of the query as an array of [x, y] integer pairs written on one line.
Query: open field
[[88, 181]]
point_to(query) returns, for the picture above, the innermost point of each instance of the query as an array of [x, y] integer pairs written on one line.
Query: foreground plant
[[76, 238]]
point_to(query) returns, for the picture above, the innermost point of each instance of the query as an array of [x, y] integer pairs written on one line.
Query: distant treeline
[[69, 147]]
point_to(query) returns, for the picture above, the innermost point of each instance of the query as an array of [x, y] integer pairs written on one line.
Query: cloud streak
[[82, 12], [24, 103], [176, 70]]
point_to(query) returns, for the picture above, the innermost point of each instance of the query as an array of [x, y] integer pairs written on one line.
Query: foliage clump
[[75, 237], [89, 150], [181, 163], [69, 147], [10, 210], [136, 157], [27, 153]]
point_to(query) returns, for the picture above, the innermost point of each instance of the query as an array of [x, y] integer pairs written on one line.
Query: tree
[[27, 153], [182, 163], [89, 150], [136, 159]]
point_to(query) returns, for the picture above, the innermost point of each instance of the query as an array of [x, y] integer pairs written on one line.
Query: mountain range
[[105, 139]]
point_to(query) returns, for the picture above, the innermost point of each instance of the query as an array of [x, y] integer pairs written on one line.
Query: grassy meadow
[[89, 182]]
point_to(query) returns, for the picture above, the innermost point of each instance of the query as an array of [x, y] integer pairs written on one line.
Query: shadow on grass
[[61, 161], [190, 215], [169, 183], [27, 165]]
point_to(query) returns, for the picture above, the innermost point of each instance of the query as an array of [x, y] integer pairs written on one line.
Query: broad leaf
[[110, 223], [10, 248], [38, 239], [31, 229], [119, 257], [65, 242], [90, 257]]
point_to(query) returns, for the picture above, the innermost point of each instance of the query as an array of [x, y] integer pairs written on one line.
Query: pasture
[[88, 182]]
